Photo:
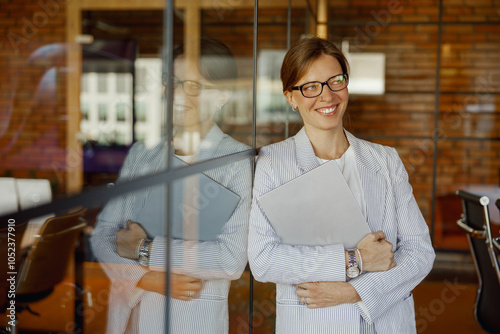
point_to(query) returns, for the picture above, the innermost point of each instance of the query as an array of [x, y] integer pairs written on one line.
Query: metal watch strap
[[352, 259], [144, 253], [352, 270]]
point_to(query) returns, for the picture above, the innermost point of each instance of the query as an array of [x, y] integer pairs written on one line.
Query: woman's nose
[[327, 94]]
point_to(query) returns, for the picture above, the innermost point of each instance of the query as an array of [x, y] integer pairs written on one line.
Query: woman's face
[[190, 109], [324, 112]]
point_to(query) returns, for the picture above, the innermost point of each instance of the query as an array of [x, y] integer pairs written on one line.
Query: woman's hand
[[325, 294], [128, 238], [181, 286], [376, 252]]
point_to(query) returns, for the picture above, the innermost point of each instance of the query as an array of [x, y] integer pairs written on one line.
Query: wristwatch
[[352, 270], [144, 253]]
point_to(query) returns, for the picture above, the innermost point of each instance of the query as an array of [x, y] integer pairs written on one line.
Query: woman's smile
[[328, 111]]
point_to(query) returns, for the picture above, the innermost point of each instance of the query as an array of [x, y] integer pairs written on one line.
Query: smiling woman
[[208, 213], [361, 290]]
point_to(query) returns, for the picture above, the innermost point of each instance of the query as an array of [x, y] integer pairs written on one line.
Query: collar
[[208, 147], [209, 144], [307, 161]]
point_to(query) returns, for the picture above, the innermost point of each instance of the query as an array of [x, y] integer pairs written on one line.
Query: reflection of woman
[[325, 289], [200, 270]]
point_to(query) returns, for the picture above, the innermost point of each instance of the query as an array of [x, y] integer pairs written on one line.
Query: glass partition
[[139, 112]]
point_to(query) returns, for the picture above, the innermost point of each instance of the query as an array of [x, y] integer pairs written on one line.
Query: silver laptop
[[316, 208], [199, 209]]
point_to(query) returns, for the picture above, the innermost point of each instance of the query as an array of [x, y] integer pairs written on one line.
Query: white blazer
[[390, 206], [215, 262]]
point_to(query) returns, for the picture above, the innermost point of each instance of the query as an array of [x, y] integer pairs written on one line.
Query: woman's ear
[[289, 97], [223, 97]]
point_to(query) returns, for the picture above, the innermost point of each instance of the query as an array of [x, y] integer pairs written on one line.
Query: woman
[[128, 234], [324, 289]]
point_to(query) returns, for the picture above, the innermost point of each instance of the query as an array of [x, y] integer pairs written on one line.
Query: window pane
[[102, 83], [121, 112], [102, 110]]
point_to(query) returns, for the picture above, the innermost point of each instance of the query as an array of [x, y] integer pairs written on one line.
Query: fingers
[[127, 224], [185, 278], [185, 287], [303, 286], [136, 227], [193, 288], [370, 238]]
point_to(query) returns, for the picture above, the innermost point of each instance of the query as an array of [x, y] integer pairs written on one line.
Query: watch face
[[352, 272], [143, 260]]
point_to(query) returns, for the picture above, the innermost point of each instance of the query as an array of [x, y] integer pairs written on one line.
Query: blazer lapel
[[372, 180], [306, 159], [210, 144]]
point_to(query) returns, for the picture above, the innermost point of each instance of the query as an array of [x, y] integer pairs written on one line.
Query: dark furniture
[[476, 224], [45, 263]]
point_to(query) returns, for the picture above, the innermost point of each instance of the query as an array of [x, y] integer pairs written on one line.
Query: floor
[[444, 302]]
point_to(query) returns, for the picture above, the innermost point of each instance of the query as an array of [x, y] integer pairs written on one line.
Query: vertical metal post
[[254, 141], [436, 120], [168, 37]]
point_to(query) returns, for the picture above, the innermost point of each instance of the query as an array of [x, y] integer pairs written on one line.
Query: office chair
[[46, 262], [476, 223]]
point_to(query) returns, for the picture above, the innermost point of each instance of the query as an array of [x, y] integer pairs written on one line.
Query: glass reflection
[[208, 213]]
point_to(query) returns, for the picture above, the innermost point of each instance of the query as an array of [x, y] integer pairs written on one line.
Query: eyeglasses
[[315, 88], [191, 88]]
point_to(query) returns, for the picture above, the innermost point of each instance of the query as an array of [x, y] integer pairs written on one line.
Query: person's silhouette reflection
[[200, 270]]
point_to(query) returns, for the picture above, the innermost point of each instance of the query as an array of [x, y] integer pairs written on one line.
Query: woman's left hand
[[128, 238], [325, 294]]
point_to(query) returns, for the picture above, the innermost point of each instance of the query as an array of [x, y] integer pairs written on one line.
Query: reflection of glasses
[[191, 88], [315, 88]]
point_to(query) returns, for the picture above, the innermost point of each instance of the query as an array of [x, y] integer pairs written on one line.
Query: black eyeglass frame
[[177, 82], [299, 88]]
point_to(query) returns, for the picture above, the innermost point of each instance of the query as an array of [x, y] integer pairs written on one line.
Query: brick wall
[[32, 89]]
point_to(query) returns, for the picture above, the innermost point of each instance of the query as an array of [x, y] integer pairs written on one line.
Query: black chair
[[45, 263], [475, 222]]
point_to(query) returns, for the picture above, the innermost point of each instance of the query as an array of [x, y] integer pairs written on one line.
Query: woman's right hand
[[181, 286], [376, 252]]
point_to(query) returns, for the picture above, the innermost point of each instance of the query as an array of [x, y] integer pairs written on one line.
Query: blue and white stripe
[[390, 206], [216, 262]]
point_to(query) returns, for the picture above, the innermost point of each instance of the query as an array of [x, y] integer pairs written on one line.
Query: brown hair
[[217, 61], [301, 55]]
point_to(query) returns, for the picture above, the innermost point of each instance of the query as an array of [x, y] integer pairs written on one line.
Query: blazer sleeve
[[414, 254], [124, 273], [224, 258], [273, 261]]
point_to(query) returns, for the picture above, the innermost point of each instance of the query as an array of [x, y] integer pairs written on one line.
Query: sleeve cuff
[[363, 310], [135, 297]]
